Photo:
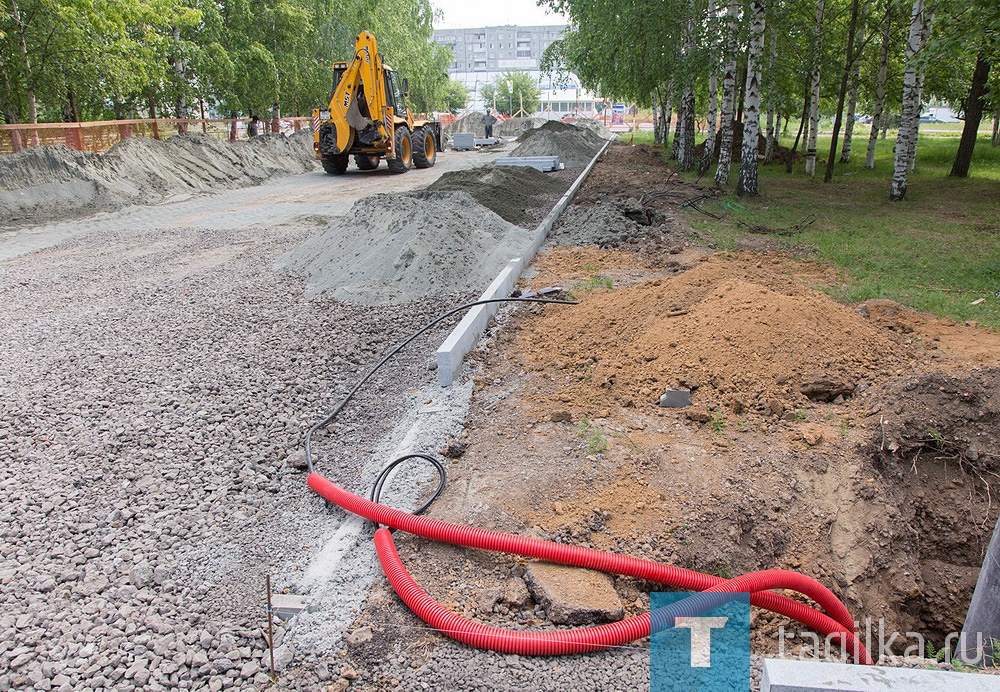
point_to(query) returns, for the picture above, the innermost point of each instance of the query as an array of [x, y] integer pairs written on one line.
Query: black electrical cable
[[383, 475]]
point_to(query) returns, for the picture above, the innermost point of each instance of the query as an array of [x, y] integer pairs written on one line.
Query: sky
[[464, 14]]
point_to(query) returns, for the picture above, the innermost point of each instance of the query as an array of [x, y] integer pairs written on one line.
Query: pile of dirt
[[393, 248], [609, 222], [48, 183], [515, 127], [735, 330], [511, 127], [575, 146], [595, 126], [513, 192]]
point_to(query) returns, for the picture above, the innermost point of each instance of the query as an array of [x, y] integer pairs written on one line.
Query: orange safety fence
[[101, 136]]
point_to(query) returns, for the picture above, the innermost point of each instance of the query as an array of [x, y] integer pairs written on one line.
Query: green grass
[[936, 251]]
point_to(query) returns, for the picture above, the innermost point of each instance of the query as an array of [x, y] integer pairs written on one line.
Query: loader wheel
[[424, 148], [401, 145], [366, 162], [336, 164]]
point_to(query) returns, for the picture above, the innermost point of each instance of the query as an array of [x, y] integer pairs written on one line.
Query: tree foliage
[[122, 58], [511, 91]]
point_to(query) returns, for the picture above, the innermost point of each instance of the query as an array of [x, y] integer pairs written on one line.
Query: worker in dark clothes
[[488, 121]]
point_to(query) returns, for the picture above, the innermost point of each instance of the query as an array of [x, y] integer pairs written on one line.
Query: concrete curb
[[787, 675], [464, 336]]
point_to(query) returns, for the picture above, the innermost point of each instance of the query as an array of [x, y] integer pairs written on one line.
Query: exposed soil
[[856, 444], [521, 195]]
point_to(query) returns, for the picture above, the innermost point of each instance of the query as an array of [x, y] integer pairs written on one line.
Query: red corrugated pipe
[[836, 623]]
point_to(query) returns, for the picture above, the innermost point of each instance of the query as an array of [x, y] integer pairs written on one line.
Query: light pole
[[510, 97]]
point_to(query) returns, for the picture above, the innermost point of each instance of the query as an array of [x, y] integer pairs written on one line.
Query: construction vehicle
[[368, 118]]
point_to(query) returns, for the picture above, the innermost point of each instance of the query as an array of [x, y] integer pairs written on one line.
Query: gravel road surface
[[156, 381]]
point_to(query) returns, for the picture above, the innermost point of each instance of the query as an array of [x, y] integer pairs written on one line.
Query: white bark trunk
[[909, 119], [713, 97], [747, 184], [685, 150], [877, 114], [814, 104], [728, 96]]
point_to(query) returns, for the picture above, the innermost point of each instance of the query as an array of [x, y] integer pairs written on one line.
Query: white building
[[481, 54]]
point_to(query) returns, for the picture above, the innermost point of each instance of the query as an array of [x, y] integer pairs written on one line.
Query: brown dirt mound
[[759, 342], [512, 192]]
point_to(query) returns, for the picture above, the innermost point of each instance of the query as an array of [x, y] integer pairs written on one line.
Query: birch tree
[[713, 88], [852, 99], [883, 70], [747, 183], [814, 98], [909, 119], [728, 95]]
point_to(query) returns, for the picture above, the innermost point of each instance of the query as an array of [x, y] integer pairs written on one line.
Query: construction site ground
[[158, 377]]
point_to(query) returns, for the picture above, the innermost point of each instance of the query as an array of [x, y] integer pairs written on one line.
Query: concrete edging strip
[[465, 335], [788, 675]]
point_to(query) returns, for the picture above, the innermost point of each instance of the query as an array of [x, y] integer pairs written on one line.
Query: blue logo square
[[700, 642]]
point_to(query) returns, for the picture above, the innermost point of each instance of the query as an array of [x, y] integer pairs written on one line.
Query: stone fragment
[[573, 596], [825, 387], [676, 398], [360, 636], [515, 593], [561, 417]]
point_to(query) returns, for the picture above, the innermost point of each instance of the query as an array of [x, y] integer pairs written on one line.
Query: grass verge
[[937, 251]]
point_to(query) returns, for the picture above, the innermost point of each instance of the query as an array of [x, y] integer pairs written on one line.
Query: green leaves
[[512, 91]]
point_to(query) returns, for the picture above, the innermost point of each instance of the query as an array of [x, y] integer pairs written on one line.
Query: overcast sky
[[463, 14]]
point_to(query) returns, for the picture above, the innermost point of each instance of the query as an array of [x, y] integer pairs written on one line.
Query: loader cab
[[395, 89], [338, 73]]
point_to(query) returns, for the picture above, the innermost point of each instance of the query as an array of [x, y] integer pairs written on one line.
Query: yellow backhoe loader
[[368, 118]]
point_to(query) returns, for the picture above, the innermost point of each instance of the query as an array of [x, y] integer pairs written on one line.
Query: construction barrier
[[101, 136]]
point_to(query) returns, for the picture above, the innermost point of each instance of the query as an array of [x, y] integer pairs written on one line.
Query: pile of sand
[[736, 330], [511, 127], [512, 192], [47, 183], [575, 146], [595, 126], [397, 248]]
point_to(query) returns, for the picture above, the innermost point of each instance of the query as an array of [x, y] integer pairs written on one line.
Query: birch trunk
[[685, 151], [842, 93], [180, 104], [713, 115], [772, 59], [728, 96], [995, 140], [713, 98], [657, 135], [747, 183], [883, 68], [852, 101], [814, 101], [909, 118]]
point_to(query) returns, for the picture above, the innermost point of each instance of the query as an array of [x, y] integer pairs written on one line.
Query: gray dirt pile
[[575, 146], [49, 183], [604, 224], [399, 248], [509, 191], [594, 126], [511, 127]]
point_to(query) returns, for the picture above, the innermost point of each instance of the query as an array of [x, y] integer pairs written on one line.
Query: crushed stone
[[509, 191], [603, 224], [595, 126], [397, 248], [43, 184], [575, 146]]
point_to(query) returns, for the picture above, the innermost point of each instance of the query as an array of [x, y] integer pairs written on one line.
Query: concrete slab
[[287, 605], [464, 336], [542, 163], [786, 675], [676, 398]]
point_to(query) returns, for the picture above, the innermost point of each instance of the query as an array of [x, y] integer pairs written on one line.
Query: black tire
[[336, 164], [424, 146], [366, 162], [402, 145]]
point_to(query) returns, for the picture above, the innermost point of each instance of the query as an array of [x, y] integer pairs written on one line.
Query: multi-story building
[[483, 53]]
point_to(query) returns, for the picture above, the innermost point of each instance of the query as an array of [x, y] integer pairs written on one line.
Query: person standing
[[253, 126], [488, 121]]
